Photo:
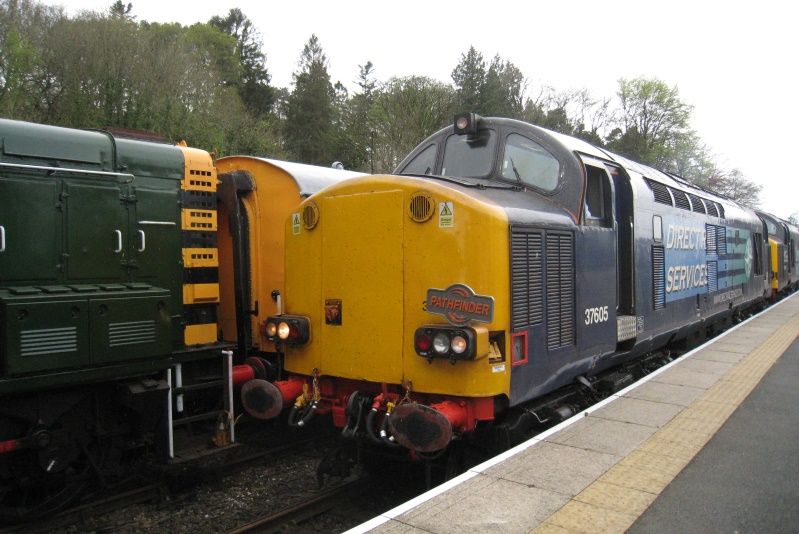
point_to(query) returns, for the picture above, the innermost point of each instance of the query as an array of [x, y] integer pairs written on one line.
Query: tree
[[735, 186], [121, 11], [253, 83], [502, 91], [469, 76], [308, 129], [25, 28], [356, 138], [652, 117], [590, 117], [406, 111]]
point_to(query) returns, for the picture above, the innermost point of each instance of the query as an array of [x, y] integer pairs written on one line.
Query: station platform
[[709, 442]]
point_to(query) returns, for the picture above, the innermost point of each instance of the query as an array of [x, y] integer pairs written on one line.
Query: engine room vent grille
[[658, 277], [527, 278], [696, 204], [712, 276], [681, 199], [421, 206], [721, 236], [711, 243], [661, 192], [711, 209], [131, 333], [48, 341], [560, 289]]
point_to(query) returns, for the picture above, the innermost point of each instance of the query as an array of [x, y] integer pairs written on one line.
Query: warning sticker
[[446, 215], [295, 223]]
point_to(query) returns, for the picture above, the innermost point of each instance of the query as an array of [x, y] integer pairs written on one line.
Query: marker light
[[270, 329], [459, 344], [423, 343], [290, 329]]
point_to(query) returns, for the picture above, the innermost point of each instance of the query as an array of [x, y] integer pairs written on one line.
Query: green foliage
[[208, 84], [355, 145], [308, 128], [652, 119], [121, 10], [494, 92], [252, 81], [405, 112], [469, 77], [735, 186], [99, 70], [502, 93], [24, 29]]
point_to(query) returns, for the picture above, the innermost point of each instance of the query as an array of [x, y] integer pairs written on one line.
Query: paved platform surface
[[688, 450], [745, 479]]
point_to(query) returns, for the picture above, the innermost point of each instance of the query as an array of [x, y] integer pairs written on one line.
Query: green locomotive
[[108, 295]]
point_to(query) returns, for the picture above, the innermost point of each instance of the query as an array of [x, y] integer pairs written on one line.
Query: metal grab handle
[[2, 238], [143, 240], [118, 233]]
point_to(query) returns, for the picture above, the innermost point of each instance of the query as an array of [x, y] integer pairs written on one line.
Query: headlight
[[441, 343], [283, 330]]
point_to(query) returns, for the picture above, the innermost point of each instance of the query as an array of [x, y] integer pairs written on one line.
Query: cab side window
[[527, 162], [423, 163], [598, 204]]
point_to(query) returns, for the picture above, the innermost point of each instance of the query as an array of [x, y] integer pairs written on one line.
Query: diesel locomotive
[[783, 240], [108, 296], [127, 303], [504, 275]]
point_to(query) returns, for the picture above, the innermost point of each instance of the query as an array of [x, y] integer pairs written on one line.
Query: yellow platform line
[[617, 498]]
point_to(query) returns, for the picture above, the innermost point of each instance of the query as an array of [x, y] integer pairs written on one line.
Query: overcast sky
[[735, 62]]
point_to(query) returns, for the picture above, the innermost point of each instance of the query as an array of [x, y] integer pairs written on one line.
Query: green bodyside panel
[[60, 327], [97, 224], [88, 375], [40, 144], [130, 328], [31, 224], [74, 308], [150, 159], [45, 335], [157, 220]]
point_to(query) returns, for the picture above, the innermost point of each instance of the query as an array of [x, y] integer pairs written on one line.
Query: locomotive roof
[[309, 178], [574, 145], [93, 150]]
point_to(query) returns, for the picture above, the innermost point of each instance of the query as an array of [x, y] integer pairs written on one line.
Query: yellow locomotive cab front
[[383, 244]]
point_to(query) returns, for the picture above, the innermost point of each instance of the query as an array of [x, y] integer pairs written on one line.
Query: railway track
[[294, 517], [171, 485]]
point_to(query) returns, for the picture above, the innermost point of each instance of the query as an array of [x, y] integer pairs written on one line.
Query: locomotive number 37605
[[596, 315]]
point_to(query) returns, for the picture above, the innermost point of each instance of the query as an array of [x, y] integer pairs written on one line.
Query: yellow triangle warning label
[[295, 223], [446, 215]]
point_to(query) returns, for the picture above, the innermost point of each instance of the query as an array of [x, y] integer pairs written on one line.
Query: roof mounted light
[[467, 123]]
